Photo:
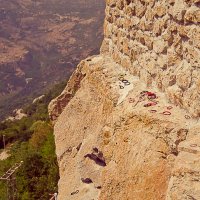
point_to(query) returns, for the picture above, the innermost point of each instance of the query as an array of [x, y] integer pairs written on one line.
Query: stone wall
[[159, 41]]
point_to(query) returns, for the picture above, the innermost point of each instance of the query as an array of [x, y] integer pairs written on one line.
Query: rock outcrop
[[159, 42], [127, 124]]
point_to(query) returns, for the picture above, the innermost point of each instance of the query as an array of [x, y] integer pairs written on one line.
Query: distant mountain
[[41, 42]]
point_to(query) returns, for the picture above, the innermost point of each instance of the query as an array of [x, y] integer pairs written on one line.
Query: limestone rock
[[183, 75], [159, 45], [179, 9], [120, 151], [160, 9], [104, 46], [193, 14], [113, 142], [175, 94], [57, 105]]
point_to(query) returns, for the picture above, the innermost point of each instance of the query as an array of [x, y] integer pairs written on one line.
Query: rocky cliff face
[[126, 125], [159, 42]]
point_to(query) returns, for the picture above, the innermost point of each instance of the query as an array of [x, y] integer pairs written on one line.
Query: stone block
[[193, 14], [183, 75], [179, 9], [104, 47], [145, 77], [160, 9], [159, 45], [173, 58], [120, 5], [126, 49], [126, 62], [130, 10], [191, 100], [140, 9], [175, 95]]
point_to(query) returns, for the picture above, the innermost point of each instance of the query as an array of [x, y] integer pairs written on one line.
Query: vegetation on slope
[[31, 140]]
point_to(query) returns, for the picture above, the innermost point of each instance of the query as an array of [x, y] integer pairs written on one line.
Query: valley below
[[41, 42]]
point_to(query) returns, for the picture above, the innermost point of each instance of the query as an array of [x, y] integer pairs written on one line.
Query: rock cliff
[[127, 124]]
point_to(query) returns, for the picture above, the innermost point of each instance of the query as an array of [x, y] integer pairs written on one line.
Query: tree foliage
[[31, 140]]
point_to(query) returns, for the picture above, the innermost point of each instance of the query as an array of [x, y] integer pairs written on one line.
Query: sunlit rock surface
[[127, 124]]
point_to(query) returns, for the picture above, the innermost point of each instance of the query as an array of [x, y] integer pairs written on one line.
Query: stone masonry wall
[[159, 41]]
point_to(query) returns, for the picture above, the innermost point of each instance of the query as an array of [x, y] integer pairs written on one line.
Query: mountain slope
[[41, 43]]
